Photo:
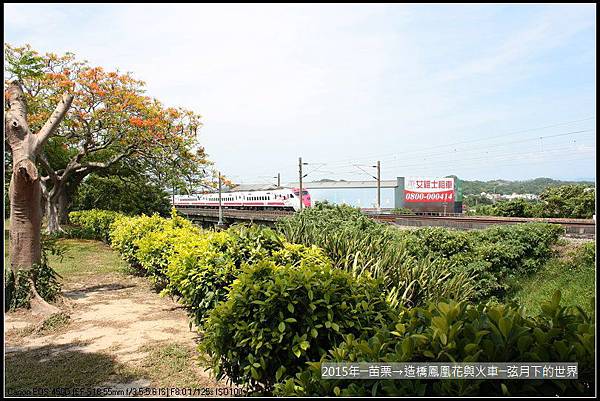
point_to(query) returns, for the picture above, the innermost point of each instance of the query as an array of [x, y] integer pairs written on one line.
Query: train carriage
[[275, 199]]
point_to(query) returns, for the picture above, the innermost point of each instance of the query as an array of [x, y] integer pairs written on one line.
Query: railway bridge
[[207, 217], [573, 227]]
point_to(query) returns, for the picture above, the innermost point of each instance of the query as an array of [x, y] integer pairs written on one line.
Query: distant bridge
[[230, 216]]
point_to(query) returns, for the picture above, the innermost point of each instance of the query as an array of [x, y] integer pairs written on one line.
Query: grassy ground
[[575, 280], [84, 266], [86, 257]]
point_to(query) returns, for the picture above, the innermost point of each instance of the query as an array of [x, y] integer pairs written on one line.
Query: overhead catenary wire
[[426, 158], [429, 155], [510, 133]]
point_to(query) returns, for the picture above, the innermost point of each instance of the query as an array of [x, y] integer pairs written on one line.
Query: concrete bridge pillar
[[399, 193]]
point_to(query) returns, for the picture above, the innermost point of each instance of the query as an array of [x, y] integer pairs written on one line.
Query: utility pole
[[378, 186], [220, 223], [300, 172], [173, 184]]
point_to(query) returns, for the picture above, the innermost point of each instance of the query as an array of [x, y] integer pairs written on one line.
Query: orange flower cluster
[[141, 123], [136, 122]]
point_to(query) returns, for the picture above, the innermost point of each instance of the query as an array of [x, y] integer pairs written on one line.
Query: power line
[[510, 133], [426, 156], [494, 145], [487, 159]]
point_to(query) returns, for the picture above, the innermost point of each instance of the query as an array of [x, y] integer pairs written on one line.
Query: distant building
[[497, 197]]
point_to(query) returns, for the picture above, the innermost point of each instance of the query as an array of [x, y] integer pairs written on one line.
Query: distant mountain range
[[506, 187]]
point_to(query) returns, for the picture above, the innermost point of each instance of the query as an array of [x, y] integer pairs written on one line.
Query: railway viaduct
[[573, 227]]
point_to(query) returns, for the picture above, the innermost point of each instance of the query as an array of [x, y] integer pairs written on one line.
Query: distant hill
[[506, 187]]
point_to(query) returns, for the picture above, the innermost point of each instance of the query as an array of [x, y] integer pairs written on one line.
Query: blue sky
[[479, 91]]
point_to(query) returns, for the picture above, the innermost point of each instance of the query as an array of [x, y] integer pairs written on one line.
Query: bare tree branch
[[51, 173], [97, 165], [52, 123]]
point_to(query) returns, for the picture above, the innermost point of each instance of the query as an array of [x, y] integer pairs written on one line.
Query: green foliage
[[26, 64], [566, 201], [476, 200], [201, 269], [496, 256], [584, 256], [54, 322], [127, 231], [573, 201], [449, 264], [448, 332], [513, 208], [277, 318], [573, 273], [356, 243], [505, 187], [17, 289], [156, 248], [92, 224], [133, 196]]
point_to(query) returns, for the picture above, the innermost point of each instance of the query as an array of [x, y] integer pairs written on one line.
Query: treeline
[[566, 201], [506, 187]]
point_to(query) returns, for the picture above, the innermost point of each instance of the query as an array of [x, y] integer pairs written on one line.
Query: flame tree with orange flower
[[111, 127]]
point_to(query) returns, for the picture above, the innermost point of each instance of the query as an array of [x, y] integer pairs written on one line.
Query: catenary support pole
[[220, 223], [300, 172], [378, 185]]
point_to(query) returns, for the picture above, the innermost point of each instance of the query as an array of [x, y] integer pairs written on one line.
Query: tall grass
[[356, 243]]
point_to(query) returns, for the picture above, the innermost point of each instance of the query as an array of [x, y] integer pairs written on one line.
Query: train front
[[305, 197]]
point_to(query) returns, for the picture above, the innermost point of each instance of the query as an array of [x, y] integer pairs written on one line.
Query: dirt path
[[121, 318]]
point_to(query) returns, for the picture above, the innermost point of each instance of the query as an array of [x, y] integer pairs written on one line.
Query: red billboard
[[425, 189]]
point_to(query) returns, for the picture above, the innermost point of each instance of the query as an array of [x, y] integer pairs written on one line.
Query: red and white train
[[275, 199]]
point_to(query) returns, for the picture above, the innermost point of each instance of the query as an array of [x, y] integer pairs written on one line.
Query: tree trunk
[[25, 216], [25, 189], [63, 206], [53, 216], [59, 200]]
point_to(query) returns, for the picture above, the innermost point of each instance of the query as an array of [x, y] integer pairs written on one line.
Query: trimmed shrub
[[126, 231], [277, 318], [93, 224], [199, 272], [447, 332], [440, 242], [201, 269], [156, 248]]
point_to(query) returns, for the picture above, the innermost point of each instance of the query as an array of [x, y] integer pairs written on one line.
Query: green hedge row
[[92, 224], [266, 305], [496, 256]]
